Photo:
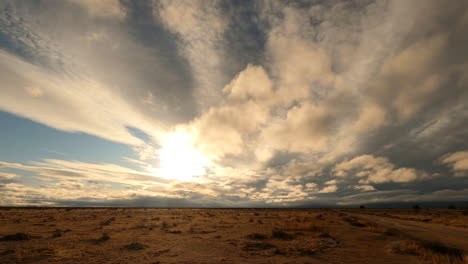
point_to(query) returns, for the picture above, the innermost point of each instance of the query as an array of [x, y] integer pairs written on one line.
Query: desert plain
[[154, 235]]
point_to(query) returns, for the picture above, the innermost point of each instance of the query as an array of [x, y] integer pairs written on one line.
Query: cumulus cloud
[[458, 161], [329, 189], [376, 170], [364, 187]]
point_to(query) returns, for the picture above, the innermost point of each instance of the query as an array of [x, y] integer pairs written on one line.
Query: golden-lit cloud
[[458, 161]]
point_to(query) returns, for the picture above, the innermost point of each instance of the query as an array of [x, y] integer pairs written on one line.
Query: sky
[[233, 103]]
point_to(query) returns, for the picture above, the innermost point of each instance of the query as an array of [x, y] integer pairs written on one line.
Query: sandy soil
[[224, 236]]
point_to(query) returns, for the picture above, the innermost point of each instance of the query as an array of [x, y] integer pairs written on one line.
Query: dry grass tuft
[[255, 246], [135, 246], [307, 251], [108, 221], [325, 235], [279, 234], [57, 233], [391, 232], [104, 237], [405, 248], [318, 228], [440, 253], [354, 221], [7, 251], [164, 225], [16, 237], [257, 236], [435, 251], [173, 231]]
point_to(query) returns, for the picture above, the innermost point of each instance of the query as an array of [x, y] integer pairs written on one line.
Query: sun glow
[[179, 159]]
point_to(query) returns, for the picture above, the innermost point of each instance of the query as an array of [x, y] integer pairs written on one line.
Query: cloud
[[329, 189], [253, 82], [102, 8], [395, 196], [53, 169], [200, 42], [376, 170], [364, 187], [458, 161], [83, 110], [5, 175], [280, 192]]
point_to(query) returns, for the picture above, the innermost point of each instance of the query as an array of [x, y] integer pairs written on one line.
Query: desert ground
[[131, 235]]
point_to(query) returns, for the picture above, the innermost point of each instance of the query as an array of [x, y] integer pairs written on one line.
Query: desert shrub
[[254, 246], [307, 251], [391, 232], [104, 237], [7, 251], [325, 234], [57, 233], [174, 231], [191, 229], [134, 246], [108, 221], [415, 207], [436, 251], [16, 237], [362, 207], [440, 253], [317, 228], [257, 236], [354, 222], [279, 234], [279, 252], [405, 248], [164, 225], [452, 207]]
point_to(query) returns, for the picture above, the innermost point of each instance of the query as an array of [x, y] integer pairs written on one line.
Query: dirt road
[[451, 236]]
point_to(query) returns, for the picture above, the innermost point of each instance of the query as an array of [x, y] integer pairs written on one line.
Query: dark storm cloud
[[246, 35], [424, 91]]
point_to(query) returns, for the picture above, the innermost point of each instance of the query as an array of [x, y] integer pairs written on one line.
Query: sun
[[179, 159]]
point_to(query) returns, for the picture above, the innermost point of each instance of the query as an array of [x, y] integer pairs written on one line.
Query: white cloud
[[71, 104]]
